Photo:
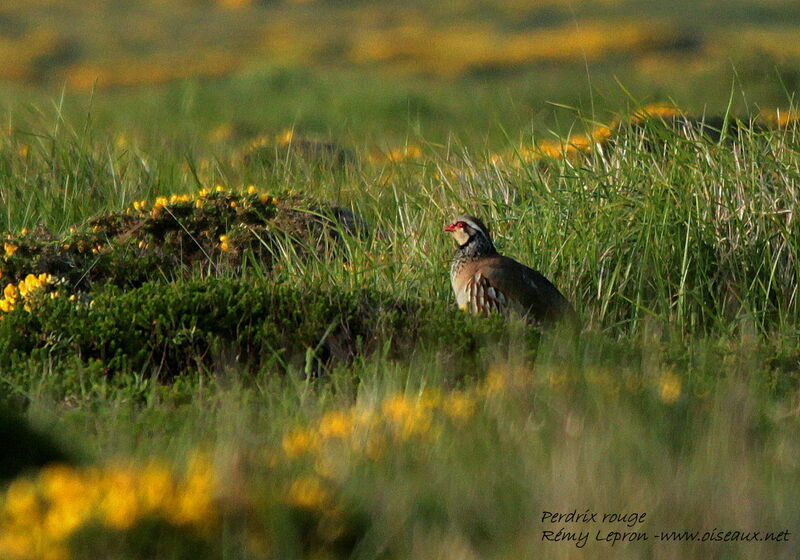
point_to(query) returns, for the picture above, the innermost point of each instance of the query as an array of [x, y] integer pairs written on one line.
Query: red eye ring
[[456, 225]]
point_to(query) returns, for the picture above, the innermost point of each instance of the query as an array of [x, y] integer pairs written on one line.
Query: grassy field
[[227, 328]]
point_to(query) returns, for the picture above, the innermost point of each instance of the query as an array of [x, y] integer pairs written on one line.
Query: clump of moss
[[189, 324], [170, 236]]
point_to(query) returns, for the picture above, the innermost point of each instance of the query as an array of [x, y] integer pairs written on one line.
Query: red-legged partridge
[[485, 281]]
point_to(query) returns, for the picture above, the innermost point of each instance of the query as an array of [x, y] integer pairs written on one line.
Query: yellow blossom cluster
[[234, 199], [781, 118], [409, 152], [418, 46], [24, 291], [669, 388], [198, 199], [39, 514], [342, 437], [10, 248], [370, 430], [656, 111], [158, 68], [285, 137], [578, 144]]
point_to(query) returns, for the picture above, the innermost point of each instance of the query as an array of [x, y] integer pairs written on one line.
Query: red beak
[[451, 227]]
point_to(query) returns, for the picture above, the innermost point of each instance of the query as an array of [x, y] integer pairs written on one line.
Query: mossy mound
[[173, 327], [176, 237]]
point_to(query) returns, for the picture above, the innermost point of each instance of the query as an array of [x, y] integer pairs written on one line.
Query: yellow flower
[[195, 497], [178, 198], [601, 133], [285, 137], [411, 151], [160, 202], [669, 388], [397, 408], [23, 287], [252, 189], [119, 507], [656, 111], [11, 293], [61, 483], [781, 118], [308, 492], [459, 406], [336, 425], [551, 149], [18, 544], [154, 487], [408, 420], [21, 502], [10, 248], [70, 500], [299, 442]]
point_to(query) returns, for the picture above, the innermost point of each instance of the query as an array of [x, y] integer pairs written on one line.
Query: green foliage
[[679, 250], [150, 538], [173, 327]]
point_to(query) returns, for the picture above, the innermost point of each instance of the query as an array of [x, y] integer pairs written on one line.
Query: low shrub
[[167, 327]]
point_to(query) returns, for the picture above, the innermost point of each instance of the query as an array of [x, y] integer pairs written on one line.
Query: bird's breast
[[476, 294]]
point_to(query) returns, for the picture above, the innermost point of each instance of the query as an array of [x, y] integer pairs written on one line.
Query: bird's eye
[[462, 225]]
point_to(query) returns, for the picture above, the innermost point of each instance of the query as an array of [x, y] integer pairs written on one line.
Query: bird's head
[[466, 229]]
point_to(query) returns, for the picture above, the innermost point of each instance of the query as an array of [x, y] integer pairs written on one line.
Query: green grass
[[678, 399]]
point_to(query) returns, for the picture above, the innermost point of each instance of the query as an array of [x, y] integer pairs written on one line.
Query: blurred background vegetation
[[372, 69]]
